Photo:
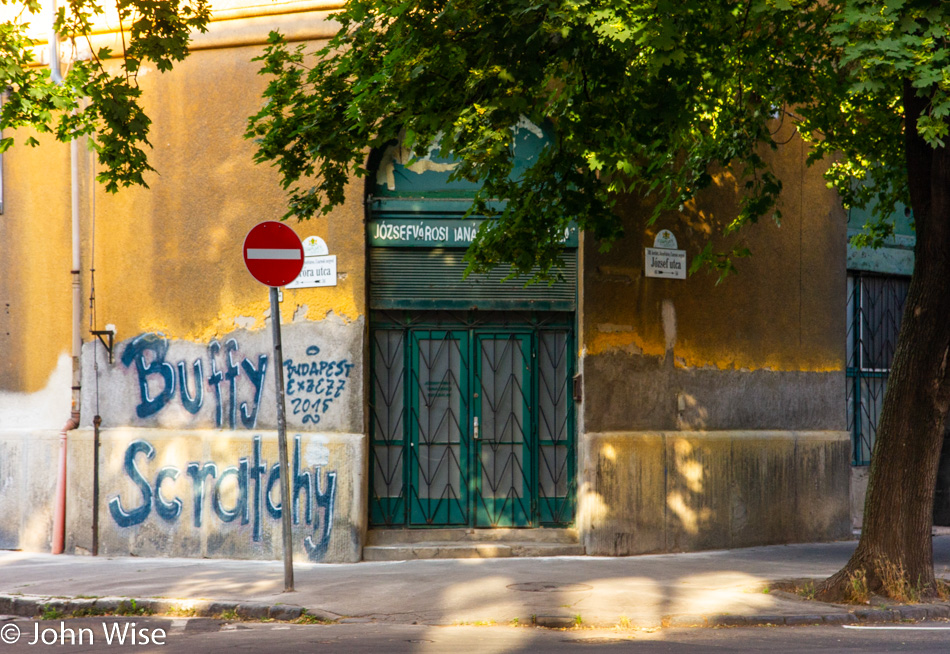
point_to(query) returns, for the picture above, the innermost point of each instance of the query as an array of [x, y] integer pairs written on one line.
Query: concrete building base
[[215, 493], [643, 492]]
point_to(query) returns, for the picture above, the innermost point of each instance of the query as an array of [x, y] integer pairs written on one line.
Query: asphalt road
[[193, 635]]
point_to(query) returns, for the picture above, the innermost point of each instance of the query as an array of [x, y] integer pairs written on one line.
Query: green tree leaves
[[646, 97], [96, 98]]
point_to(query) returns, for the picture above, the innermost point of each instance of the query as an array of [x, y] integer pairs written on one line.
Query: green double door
[[472, 427]]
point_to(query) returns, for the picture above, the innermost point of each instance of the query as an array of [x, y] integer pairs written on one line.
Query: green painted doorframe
[[430, 466]]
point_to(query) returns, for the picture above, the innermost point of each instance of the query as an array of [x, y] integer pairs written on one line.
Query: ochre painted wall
[[35, 260], [169, 259], [764, 317], [763, 349]]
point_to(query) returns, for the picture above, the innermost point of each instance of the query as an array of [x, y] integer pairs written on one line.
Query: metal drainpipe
[[59, 514]]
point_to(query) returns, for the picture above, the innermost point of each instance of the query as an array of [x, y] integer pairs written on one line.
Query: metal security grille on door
[[472, 425], [875, 307]]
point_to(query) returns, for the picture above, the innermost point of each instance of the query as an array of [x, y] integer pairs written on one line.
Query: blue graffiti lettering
[[192, 403], [198, 473], [249, 476], [214, 379], [273, 509], [232, 372], [315, 385], [135, 352], [258, 470], [249, 418], [138, 515], [325, 498], [148, 353], [240, 508], [167, 510], [302, 481]]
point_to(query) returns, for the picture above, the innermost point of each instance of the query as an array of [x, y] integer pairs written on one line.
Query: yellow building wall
[[167, 261], [35, 260], [764, 348], [764, 317]]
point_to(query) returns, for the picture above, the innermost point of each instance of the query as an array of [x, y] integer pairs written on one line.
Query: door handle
[[475, 428]]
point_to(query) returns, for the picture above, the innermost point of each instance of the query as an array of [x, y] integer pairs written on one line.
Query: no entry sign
[[273, 253]]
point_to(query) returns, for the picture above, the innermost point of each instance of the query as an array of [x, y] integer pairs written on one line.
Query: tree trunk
[[895, 546]]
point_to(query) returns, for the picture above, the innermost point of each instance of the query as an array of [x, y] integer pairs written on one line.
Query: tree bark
[[898, 510]]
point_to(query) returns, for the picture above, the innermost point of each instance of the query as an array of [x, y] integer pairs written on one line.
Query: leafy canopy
[[96, 97], [646, 97]]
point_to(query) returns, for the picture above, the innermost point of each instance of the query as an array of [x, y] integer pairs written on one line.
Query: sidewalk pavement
[[719, 588]]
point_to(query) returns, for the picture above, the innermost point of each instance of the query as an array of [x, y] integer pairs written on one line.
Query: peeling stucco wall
[[747, 375], [193, 373], [676, 491], [210, 493]]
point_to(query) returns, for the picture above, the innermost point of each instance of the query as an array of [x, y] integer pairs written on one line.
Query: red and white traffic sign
[[273, 253]]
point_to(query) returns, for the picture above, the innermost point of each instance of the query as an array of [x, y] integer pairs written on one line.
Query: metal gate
[[472, 420]]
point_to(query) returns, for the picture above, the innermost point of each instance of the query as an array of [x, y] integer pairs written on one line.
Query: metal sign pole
[[282, 444]]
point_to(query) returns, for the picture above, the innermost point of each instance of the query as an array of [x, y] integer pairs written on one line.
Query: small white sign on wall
[[664, 239], [319, 268], [663, 260]]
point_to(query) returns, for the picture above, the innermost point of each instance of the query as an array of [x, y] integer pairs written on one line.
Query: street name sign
[[670, 264], [319, 267], [663, 260]]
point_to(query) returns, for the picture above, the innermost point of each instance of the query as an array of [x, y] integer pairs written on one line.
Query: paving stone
[[212, 609], [280, 612], [639, 623], [762, 620], [728, 621], [81, 606], [876, 615], [323, 615], [166, 606], [686, 621], [60, 606], [253, 610], [938, 611], [27, 606], [554, 621], [803, 619], [107, 604], [913, 612]]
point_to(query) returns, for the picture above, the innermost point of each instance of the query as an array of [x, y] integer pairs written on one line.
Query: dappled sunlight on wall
[[653, 491], [686, 478]]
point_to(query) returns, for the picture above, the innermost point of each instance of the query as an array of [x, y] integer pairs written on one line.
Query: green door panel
[[502, 403], [439, 441], [471, 424]]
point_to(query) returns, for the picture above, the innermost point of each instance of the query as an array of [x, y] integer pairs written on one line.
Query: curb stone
[[554, 621], [837, 618], [32, 606], [27, 606]]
